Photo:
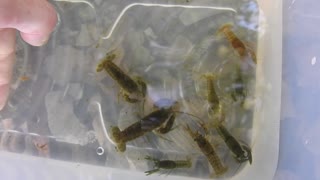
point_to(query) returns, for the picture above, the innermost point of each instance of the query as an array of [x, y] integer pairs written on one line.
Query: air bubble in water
[[100, 151]]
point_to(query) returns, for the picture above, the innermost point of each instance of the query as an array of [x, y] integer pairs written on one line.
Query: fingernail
[[35, 39], [44, 41]]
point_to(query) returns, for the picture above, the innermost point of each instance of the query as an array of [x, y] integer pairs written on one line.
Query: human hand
[[35, 19]]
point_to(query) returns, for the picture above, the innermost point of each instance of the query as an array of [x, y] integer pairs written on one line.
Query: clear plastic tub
[[61, 108]]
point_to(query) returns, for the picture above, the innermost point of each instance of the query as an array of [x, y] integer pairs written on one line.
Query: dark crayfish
[[241, 153], [212, 96], [208, 150], [167, 164], [238, 92], [129, 87], [153, 121], [240, 47]]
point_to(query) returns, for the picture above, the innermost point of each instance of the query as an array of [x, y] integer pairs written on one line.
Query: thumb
[[35, 19]]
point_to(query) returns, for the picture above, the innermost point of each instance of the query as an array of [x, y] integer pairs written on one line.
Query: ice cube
[[62, 122], [135, 38], [179, 49], [149, 33], [90, 137], [64, 63], [141, 57], [190, 16], [75, 90], [87, 12], [85, 37]]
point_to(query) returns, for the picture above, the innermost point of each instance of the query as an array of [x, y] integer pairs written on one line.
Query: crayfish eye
[[100, 67]]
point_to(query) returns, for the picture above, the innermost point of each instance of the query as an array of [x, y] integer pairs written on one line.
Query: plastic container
[[61, 108]]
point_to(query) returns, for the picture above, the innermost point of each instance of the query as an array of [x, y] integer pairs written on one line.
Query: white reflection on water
[[162, 5]]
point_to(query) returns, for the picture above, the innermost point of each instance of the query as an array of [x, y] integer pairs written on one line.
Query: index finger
[[35, 19], [7, 47]]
